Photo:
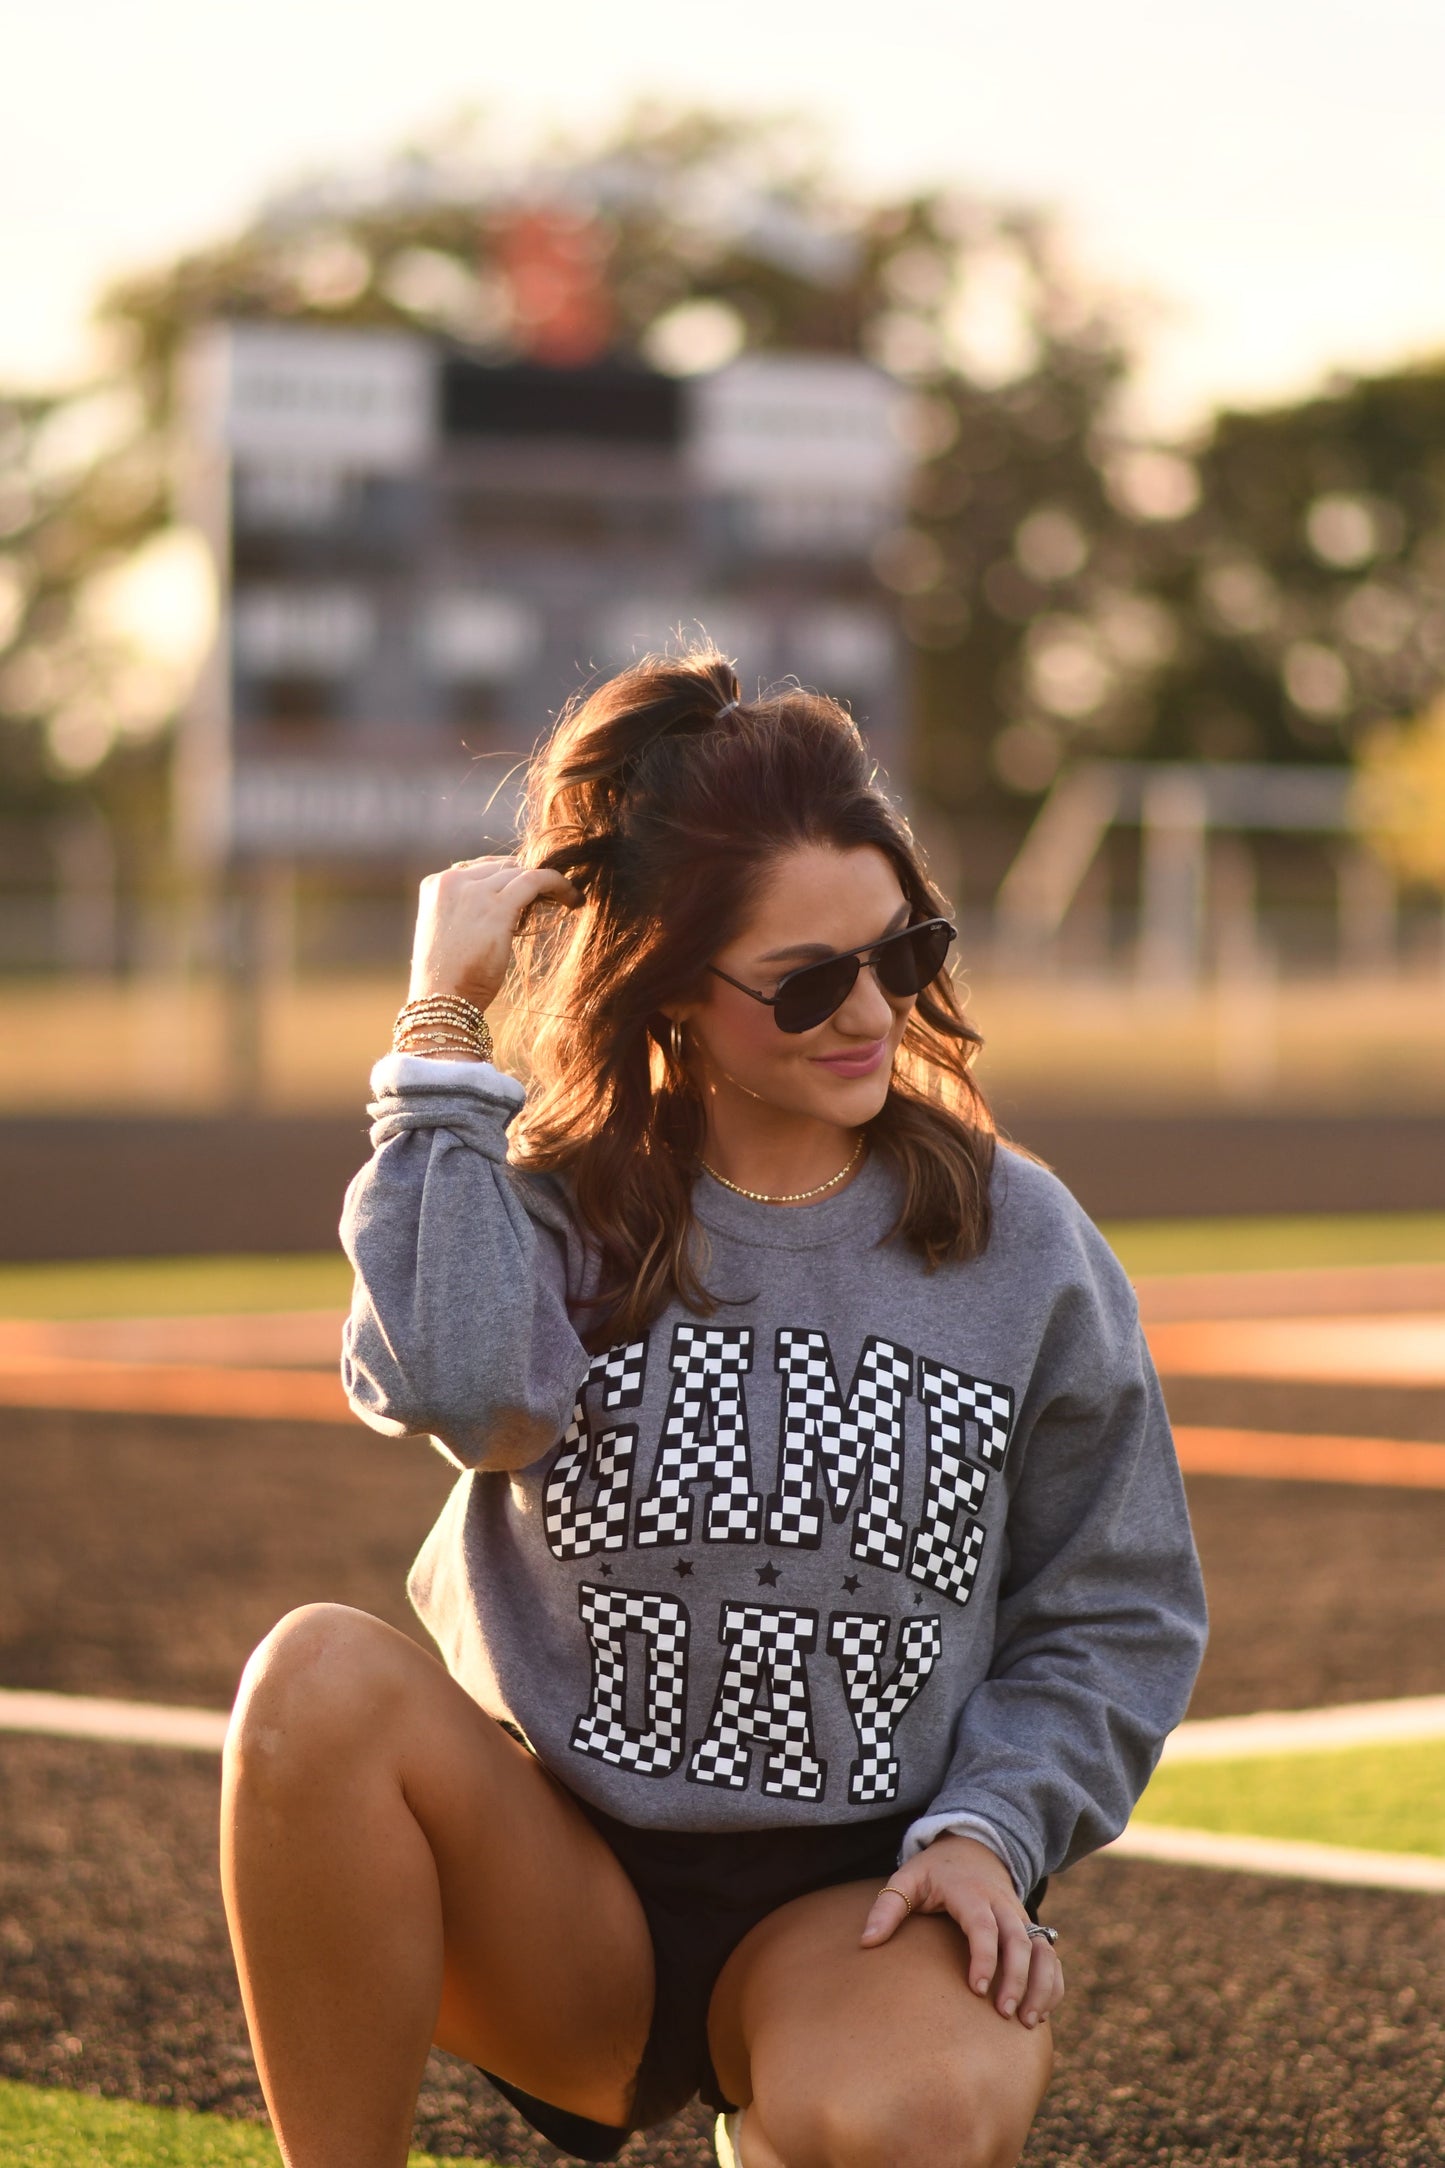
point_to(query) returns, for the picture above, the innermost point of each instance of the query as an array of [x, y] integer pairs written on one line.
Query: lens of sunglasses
[[906, 962], [906, 966]]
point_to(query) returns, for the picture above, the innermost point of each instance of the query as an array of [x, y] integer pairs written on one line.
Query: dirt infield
[[147, 1556], [1211, 2018]]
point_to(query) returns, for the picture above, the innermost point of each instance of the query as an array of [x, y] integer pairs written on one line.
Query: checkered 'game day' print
[[956, 1405], [762, 1701], [859, 1643], [837, 1456], [617, 1620], [817, 1427], [704, 1440], [575, 1529]]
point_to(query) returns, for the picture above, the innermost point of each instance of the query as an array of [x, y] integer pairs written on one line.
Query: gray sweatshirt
[[868, 1540]]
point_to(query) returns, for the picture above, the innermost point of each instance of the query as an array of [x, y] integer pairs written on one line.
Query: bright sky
[[1272, 170]]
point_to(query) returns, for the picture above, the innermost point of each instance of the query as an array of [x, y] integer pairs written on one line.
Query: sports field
[[1211, 2018], [1255, 1044], [1381, 1798], [190, 1286], [42, 2127]]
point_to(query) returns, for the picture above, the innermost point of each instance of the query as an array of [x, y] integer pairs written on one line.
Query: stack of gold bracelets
[[440, 1024]]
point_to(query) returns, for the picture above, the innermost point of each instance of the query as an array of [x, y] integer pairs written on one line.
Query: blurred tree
[[1308, 580], [1270, 592], [1400, 795], [82, 489]]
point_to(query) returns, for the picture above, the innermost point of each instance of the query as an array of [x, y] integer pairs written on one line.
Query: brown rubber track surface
[[1211, 2018]]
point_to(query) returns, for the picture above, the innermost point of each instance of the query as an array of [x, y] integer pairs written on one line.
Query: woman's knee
[[938, 2118], [325, 1679]]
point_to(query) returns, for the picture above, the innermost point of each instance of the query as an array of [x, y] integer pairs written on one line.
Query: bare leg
[[878, 2058], [397, 1870]]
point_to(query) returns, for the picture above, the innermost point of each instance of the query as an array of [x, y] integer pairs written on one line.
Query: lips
[[862, 1063]]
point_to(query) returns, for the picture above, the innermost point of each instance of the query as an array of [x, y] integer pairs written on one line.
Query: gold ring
[[889, 1891]]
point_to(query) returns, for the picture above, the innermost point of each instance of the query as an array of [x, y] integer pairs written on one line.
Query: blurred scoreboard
[[420, 555]]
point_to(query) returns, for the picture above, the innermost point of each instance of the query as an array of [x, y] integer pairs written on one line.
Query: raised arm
[[459, 1324]]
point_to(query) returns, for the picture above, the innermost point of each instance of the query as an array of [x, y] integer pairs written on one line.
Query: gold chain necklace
[[793, 1196]]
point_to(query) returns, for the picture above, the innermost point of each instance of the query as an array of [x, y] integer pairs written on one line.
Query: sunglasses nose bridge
[[858, 965]]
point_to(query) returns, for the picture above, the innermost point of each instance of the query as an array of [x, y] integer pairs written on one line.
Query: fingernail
[[980, 1987], [1008, 2008], [1029, 2018]]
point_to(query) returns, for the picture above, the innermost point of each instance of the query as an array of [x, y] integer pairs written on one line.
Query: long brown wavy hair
[[666, 798]]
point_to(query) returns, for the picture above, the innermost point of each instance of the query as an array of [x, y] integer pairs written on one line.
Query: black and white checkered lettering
[[859, 1642], [704, 1440], [867, 1433], [961, 1412], [954, 1401], [624, 1625], [762, 1701], [574, 1528]]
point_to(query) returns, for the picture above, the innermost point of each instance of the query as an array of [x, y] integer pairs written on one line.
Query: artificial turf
[[1278, 1244], [175, 1286], [1377, 1799], [44, 2128]]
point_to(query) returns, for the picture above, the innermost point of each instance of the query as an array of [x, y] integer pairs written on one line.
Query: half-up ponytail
[[666, 797], [607, 745]]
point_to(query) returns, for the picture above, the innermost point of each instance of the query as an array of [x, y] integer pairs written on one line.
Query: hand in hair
[[466, 920]]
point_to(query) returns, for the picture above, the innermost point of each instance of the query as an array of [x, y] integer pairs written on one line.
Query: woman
[[818, 1578]]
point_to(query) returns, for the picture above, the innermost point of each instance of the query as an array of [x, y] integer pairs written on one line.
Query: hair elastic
[[724, 709]]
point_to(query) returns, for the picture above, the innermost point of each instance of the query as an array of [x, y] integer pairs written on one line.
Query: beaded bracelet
[[438, 1024]]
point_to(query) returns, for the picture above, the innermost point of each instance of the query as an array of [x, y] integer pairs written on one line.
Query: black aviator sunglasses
[[905, 962]]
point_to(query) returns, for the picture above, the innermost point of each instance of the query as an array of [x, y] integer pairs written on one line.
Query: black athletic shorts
[[701, 1892]]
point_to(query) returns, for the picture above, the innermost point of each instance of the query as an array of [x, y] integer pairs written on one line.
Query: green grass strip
[[44, 2129], [1377, 1799], [1278, 1245], [175, 1286], [198, 1286], [195, 1286]]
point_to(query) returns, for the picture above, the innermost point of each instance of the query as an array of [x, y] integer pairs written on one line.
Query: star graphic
[[683, 1568], [607, 1573], [918, 1599], [768, 1575], [851, 1583]]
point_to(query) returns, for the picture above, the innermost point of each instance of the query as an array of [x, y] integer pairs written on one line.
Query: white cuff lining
[[928, 1826], [418, 1072]]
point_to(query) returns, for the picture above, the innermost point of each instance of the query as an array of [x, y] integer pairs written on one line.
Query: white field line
[[1281, 1856], [1307, 1731], [1225, 1738], [126, 1723]]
